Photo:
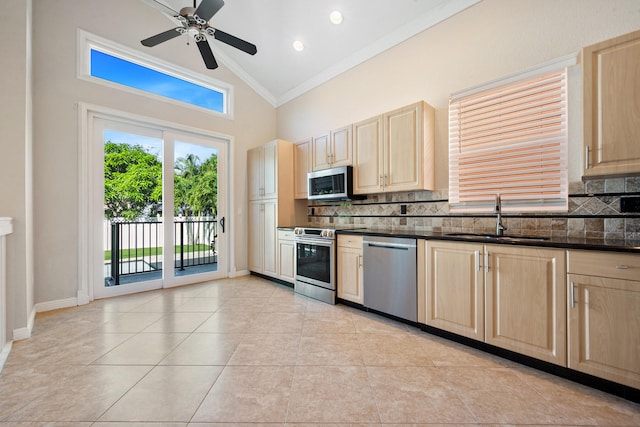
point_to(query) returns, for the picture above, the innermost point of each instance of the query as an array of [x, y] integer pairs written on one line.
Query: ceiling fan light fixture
[[336, 17], [298, 46]]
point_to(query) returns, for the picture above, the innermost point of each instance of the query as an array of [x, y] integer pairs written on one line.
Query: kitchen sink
[[487, 236]]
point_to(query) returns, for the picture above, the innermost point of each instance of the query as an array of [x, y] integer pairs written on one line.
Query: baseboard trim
[[21, 334], [6, 349], [239, 273], [56, 305]]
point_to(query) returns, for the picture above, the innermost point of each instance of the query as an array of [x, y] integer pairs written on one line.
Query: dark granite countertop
[[552, 242]]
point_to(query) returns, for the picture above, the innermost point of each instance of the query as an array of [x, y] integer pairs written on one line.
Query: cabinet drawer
[[348, 241], [604, 264], [285, 234]]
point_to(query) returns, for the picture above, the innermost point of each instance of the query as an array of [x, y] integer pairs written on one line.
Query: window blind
[[510, 140]]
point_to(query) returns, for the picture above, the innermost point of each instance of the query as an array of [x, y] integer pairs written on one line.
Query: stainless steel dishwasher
[[390, 282]]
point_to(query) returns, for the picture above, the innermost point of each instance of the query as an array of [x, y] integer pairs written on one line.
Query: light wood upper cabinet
[[604, 315], [409, 144], [255, 172], [302, 166], [525, 301], [395, 151], [341, 147], [350, 268], [368, 155], [320, 152], [271, 170], [332, 149], [262, 170], [611, 84], [455, 288]]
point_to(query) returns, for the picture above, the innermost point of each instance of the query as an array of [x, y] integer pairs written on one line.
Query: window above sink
[[510, 136]]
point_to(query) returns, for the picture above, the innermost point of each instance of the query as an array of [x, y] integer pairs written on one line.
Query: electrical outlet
[[403, 209]]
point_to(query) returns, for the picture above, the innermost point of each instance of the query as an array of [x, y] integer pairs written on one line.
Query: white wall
[[57, 92], [16, 191], [492, 39]]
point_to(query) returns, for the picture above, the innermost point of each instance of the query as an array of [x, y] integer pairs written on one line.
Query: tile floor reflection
[[248, 352]]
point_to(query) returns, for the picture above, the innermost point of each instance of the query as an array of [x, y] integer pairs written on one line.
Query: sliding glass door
[[163, 203]]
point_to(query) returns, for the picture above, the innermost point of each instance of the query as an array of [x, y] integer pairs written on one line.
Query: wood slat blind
[[510, 140]]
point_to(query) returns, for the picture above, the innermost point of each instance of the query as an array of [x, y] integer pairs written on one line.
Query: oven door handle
[[319, 242]]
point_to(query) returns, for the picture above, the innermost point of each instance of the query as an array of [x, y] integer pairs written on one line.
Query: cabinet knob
[[622, 267]]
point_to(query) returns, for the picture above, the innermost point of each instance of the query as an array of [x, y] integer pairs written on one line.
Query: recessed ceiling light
[[336, 17], [298, 45]]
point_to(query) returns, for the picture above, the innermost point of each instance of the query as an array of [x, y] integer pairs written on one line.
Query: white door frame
[[90, 196]]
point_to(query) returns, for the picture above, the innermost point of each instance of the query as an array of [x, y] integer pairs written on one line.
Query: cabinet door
[[611, 82], [526, 301], [270, 238], [341, 147], [255, 172], [402, 149], [286, 260], [455, 291], [270, 170], [350, 274], [320, 153], [604, 328], [256, 236], [367, 156], [302, 160]]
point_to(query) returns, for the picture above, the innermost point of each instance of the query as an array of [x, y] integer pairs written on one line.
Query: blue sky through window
[[127, 73]]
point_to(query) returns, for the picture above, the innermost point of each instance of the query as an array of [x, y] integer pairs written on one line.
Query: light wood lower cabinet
[[509, 297], [286, 256], [350, 268], [604, 315], [525, 301], [455, 291]]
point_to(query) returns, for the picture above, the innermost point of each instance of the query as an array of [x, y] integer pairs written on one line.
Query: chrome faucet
[[498, 210]]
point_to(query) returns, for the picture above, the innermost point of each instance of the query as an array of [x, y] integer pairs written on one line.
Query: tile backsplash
[[594, 212]]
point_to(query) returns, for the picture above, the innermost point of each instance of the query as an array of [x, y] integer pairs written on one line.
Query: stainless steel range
[[315, 263]]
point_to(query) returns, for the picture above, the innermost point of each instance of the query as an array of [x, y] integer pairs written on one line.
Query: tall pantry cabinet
[[271, 203]]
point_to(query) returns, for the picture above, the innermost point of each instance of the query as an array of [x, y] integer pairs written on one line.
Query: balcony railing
[[136, 247]]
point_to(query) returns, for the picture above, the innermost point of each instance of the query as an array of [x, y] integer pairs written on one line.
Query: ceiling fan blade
[[208, 8], [162, 37], [207, 55], [227, 38], [162, 7]]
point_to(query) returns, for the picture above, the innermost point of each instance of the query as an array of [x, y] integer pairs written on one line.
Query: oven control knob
[[327, 233]]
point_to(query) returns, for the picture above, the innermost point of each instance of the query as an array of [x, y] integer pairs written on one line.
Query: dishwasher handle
[[385, 245]]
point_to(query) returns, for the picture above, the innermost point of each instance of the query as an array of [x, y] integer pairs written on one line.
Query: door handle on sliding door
[[222, 224]]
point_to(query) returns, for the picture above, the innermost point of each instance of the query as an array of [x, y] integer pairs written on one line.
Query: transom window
[[105, 62], [510, 139]]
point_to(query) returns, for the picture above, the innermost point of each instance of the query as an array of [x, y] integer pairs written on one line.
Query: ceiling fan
[[195, 23]]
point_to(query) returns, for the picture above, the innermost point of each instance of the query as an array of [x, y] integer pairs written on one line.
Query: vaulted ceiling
[[280, 73]]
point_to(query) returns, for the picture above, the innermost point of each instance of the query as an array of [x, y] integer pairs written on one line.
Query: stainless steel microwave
[[331, 184]]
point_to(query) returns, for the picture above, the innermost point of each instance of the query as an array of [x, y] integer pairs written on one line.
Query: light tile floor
[[248, 352]]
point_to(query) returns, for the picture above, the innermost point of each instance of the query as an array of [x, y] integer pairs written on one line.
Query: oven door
[[315, 262]]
